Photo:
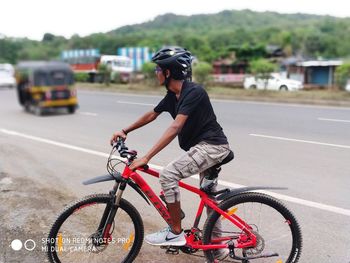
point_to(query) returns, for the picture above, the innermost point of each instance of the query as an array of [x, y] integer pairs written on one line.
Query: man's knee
[[172, 195], [169, 182], [168, 178]]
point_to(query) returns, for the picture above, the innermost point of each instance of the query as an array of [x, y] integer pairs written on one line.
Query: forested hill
[[311, 35], [226, 20], [208, 36]]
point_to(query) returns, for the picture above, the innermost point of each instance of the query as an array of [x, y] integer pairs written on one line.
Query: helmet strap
[[166, 80]]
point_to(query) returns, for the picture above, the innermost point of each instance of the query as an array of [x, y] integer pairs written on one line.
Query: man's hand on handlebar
[[116, 135], [138, 163]]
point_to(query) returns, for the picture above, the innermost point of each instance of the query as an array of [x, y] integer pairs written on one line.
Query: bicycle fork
[[110, 211]]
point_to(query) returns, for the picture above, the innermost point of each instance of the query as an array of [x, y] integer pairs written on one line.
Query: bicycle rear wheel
[[75, 236], [276, 228]]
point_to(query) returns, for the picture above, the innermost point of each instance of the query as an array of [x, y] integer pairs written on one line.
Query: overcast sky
[[33, 18]]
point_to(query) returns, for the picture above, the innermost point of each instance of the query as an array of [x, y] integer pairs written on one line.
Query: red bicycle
[[107, 228]]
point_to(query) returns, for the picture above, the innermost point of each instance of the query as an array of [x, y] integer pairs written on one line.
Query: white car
[[7, 76], [347, 87], [275, 82]]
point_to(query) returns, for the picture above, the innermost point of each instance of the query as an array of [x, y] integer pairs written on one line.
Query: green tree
[[285, 41], [9, 50], [48, 37], [262, 68], [342, 74], [206, 36], [249, 52], [202, 71], [315, 44], [81, 77], [148, 69], [105, 72], [148, 72]]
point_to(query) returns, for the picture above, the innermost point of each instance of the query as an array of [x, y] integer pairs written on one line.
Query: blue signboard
[[138, 55]]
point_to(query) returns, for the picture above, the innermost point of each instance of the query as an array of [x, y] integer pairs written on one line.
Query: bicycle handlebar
[[124, 150], [125, 153]]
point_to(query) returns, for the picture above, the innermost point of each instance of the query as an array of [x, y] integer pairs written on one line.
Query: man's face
[[160, 76]]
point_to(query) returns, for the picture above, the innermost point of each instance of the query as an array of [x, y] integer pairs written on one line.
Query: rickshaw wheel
[[38, 111], [27, 107], [71, 109]]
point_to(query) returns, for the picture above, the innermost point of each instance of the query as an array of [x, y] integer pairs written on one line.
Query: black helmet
[[176, 59]]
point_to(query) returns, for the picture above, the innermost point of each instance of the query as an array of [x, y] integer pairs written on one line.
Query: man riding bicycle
[[198, 131]]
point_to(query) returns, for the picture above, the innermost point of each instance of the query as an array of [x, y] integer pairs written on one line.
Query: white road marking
[[336, 120], [135, 103], [297, 140], [55, 143], [118, 94], [88, 113], [304, 202], [286, 104]]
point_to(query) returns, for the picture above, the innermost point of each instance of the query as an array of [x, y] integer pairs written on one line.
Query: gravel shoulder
[[29, 206], [311, 97]]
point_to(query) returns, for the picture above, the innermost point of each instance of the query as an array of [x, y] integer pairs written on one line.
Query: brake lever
[[119, 141]]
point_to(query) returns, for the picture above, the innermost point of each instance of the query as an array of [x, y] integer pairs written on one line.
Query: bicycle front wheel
[[75, 236], [277, 231]]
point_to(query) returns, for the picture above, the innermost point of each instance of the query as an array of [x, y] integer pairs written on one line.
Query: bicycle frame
[[205, 201], [238, 234]]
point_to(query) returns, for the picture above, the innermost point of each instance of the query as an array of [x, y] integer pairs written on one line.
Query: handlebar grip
[[144, 167]]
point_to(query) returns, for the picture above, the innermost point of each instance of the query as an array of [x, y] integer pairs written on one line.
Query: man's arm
[[166, 138], [143, 120]]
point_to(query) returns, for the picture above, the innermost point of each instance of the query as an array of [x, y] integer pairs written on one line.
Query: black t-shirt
[[201, 124]]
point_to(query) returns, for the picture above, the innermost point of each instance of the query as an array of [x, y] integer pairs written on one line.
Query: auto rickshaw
[[45, 84]]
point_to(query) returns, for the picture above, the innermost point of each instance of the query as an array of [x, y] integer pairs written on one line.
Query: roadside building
[[234, 68], [138, 55], [229, 70], [274, 52], [87, 61], [313, 73]]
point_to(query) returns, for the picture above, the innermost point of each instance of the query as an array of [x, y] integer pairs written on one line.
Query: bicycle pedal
[[172, 250]]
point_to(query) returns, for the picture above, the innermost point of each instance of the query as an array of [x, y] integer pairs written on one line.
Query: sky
[[33, 18]]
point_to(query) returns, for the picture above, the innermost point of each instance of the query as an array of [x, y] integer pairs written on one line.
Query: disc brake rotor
[[259, 248]]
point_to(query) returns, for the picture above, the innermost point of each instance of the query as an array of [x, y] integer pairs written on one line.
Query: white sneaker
[[166, 238]]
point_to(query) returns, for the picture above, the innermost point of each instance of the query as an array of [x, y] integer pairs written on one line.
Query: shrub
[[201, 72], [105, 72], [115, 77], [262, 68], [342, 74], [81, 77], [148, 72]]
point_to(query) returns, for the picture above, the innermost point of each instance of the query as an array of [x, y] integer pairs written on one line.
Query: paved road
[[306, 148]]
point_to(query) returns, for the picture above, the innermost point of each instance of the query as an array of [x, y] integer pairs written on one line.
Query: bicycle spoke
[[278, 237], [79, 240]]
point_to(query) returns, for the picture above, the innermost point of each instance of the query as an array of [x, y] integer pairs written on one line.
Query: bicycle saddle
[[213, 172], [227, 159]]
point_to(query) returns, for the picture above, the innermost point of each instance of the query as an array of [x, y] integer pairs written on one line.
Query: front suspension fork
[[111, 210]]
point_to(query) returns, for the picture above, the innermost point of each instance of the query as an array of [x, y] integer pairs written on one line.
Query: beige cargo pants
[[196, 160]]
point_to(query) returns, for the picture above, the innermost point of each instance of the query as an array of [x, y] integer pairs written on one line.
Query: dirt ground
[[27, 210]]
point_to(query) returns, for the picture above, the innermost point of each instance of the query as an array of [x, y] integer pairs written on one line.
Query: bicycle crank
[[171, 250]]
